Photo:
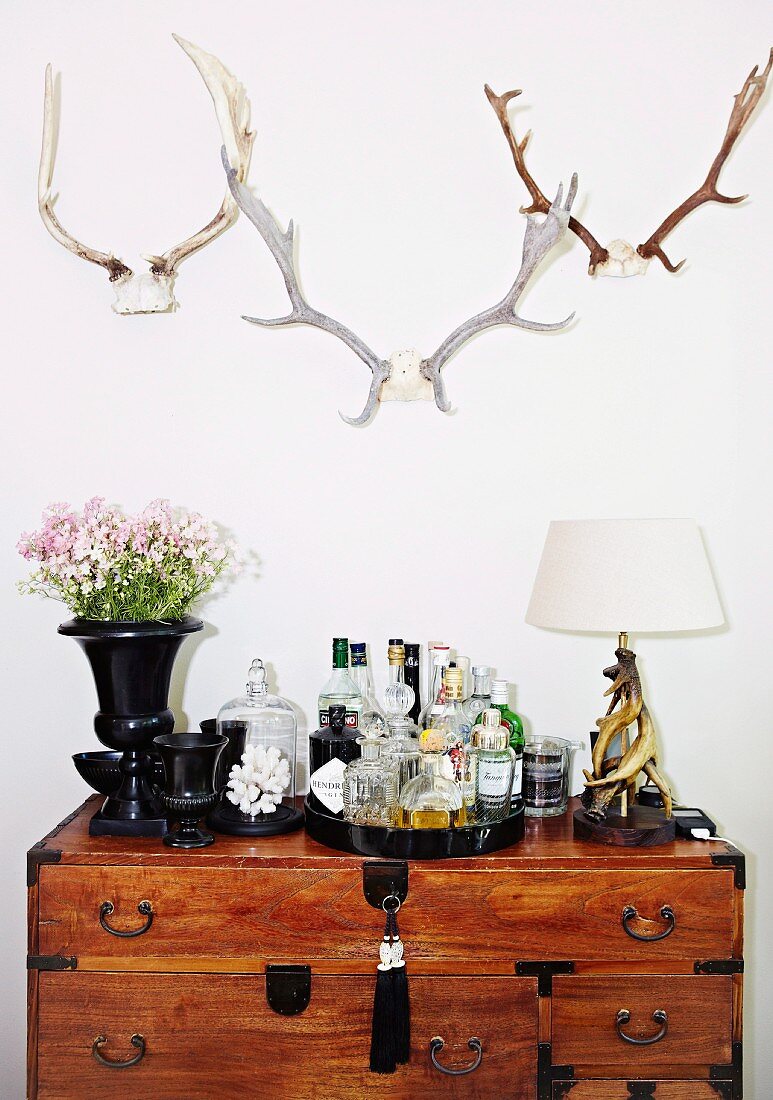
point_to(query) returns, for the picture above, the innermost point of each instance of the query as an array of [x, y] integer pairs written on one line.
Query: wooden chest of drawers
[[525, 949]]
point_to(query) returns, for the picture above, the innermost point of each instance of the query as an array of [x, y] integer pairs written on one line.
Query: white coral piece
[[257, 784]]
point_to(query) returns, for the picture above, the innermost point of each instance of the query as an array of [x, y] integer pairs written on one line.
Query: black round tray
[[376, 840]]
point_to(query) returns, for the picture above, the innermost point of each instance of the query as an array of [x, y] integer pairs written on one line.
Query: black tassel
[[402, 1014], [382, 1037], [402, 1005]]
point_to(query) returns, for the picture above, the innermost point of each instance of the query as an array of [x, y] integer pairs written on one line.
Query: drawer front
[[698, 1031], [210, 1036], [301, 913], [625, 1090]]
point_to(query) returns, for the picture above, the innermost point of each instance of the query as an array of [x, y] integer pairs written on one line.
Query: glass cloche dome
[[259, 798]]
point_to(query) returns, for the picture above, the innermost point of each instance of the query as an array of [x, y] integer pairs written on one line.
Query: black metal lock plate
[[382, 878], [288, 989]]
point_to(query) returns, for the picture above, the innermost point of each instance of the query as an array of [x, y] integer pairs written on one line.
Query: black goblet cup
[[189, 791]]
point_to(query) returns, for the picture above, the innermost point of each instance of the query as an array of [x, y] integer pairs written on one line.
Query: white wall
[[374, 134]]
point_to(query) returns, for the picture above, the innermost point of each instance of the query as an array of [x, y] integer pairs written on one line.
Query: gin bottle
[[372, 721], [493, 763], [480, 699], [500, 700], [331, 748], [341, 689]]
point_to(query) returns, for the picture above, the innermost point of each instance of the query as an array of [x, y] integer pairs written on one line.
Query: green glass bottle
[[499, 699]]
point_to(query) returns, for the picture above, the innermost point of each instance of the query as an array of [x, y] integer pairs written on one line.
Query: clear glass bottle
[[431, 801], [372, 720], [340, 688], [401, 742], [480, 699], [270, 721], [463, 663], [441, 656], [454, 727], [370, 786], [331, 748], [493, 766], [500, 694], [413, 678]]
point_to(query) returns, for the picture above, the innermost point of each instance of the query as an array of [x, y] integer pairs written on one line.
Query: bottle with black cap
[[412, 674], [331, 748]]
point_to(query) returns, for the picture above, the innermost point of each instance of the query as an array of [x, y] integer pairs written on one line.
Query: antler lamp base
[[642, 827]]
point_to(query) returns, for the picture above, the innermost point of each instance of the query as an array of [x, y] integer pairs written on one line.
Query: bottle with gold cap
[[492, 762], [441, 655], [453, 726]]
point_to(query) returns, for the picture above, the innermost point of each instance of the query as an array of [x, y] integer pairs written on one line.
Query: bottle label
[[517, 777], [351, 720], [327, 785], [493, 778]]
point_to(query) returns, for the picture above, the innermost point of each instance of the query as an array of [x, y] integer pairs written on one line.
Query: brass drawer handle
[[144, 908], [659, 1016], [667, 913], [437, 1044], [136, 1041]]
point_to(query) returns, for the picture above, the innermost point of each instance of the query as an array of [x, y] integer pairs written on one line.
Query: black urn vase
[[132, 666]]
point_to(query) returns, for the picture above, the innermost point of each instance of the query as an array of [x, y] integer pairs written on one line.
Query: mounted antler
[[743, 106], [540, 237], [620, 258], [153, 292]]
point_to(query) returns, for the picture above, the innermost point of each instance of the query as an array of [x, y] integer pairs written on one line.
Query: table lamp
[[618, 576]]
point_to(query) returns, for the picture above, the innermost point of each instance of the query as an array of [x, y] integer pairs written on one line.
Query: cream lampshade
[[613, 575]]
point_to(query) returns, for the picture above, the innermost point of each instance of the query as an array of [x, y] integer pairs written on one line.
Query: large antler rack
[[619, 257], [540, 237], [153, 292]]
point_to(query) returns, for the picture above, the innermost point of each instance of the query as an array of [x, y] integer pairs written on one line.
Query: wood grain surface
[[215, 1038], [548, 844], [315, 913], [699, 1020], [618, 1090]]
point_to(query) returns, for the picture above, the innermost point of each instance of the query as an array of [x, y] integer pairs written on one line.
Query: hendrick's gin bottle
[[331, 748]]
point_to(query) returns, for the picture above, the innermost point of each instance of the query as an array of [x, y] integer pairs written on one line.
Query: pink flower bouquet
[[106, 565]]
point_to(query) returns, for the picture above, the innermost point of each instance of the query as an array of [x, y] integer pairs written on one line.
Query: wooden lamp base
[[643, 827]]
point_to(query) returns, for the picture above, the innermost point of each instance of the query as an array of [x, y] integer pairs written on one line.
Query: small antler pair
[[153, 292]]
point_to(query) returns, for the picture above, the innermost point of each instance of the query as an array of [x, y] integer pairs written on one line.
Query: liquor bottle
[[331, 748], [412, 678], [401, 742], [340, 688], [431, 801], [370, 786], [493, 764], [464, 664], [480, 699], [372, 721], [441, 655], [499, 699], [454, 726]]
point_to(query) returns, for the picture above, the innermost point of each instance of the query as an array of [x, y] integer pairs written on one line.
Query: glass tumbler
[[546, 776]]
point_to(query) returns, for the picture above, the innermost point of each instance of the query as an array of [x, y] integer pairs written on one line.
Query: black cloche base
[[644, 827], [228, 819], [375, 840]]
